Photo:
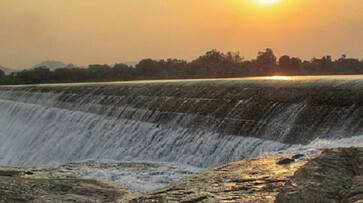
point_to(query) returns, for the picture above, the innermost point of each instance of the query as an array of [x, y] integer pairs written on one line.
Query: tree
[[266, 61], [150, 68], [289, 65], [123, 72], [175, 68], [212, 57], [346, 65], [326, 62], [323, 65], [212, 64]]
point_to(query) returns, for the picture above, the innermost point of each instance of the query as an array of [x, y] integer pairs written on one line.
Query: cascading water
[[201, 123]]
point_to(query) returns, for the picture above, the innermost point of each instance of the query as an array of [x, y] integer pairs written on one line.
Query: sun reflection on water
[[278, 77]]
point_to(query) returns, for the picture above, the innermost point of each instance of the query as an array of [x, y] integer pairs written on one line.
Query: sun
[[267, 2]]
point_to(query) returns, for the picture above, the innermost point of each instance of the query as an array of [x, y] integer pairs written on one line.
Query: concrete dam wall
[[202, 123]]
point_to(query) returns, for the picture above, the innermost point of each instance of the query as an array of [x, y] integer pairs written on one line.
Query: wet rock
[[285, 161], [18, 185], [298, 156], [9, 173], [334, 176], [255, 180]]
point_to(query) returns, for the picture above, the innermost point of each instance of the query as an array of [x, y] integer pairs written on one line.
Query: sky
[[109, 31]]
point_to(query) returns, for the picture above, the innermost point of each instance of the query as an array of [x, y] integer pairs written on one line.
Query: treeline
[[213, 64]]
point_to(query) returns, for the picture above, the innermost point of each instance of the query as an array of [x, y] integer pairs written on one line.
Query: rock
[[335, 175], [17, 185], [255, 180], [298, 156], [285, 161], [28, 173], [332, 176], [9, 173]]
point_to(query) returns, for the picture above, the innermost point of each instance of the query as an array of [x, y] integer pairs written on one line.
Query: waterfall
[[200, 123]]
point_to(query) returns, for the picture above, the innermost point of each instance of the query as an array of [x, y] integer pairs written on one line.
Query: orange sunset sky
[[108, 31]]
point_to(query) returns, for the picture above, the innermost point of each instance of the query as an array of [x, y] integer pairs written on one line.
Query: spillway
[[202, 123]]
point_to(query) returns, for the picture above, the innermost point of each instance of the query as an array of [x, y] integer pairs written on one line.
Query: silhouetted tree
[[266, 61], [175, 68], [36, 75], [150, 68], [348, 65], [208, 64], [289, 66], [2, 74], [212, 64], [123, 72]]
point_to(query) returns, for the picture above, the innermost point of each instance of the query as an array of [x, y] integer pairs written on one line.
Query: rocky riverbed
[[334, 175], [19, 185]]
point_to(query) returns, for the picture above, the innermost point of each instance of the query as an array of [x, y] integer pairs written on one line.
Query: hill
[[7, 70], [51, 64]]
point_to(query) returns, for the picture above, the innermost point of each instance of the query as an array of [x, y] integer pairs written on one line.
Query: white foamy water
[[35, 135], [139, 176]]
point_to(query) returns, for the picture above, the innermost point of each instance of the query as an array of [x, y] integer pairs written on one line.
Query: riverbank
[[334, 175]]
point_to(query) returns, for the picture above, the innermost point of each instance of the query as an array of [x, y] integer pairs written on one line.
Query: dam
[[190, 124], [148, 134], [202, 123]]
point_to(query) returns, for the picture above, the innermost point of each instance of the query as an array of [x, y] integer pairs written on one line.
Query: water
[[195, 124], [35, 135]]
